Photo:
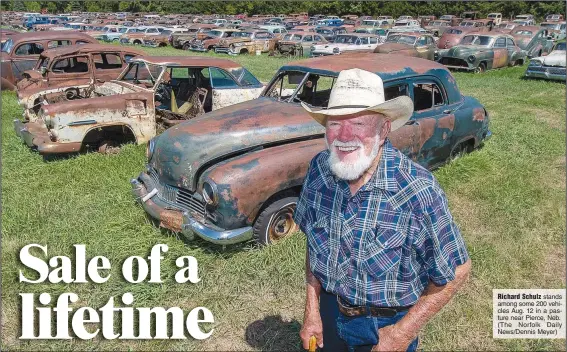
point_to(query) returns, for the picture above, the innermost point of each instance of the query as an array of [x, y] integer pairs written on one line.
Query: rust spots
[[171, 219], [427, 130], [178, 145], [447, 122], [478, 114]]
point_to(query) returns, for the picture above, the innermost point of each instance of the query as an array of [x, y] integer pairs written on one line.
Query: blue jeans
[[357, 334]]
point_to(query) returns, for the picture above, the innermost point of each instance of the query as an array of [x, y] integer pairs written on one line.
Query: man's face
[[354, 142]]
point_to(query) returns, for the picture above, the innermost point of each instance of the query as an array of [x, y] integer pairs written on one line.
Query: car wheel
[[480, 68], [186, 46], [461, 149], [137, 42], [275, 222]]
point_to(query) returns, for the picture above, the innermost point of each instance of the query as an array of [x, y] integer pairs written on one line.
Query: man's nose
[[345, 133]]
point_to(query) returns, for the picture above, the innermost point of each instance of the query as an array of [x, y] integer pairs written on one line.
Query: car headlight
[[471, 58], [535, 63], [150, 148], [209, 192], [336, 51]]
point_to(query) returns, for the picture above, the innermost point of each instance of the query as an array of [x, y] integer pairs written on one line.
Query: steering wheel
[[163, 93]]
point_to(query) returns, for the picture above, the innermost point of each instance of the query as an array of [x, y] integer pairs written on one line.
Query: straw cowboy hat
[[357, 90]]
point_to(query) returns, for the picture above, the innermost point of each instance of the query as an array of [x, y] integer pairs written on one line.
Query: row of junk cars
[[226, 153]]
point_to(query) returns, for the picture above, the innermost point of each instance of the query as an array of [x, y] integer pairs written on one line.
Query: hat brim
[[398, 111]]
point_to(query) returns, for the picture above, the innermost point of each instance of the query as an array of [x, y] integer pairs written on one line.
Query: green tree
[[32, 6], [18, 5]]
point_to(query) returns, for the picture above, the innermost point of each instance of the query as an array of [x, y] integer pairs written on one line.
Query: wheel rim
[[281, 223]]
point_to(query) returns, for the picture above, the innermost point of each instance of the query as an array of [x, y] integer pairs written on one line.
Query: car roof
[[534, 29], [42, 35], [192, 61], [378, 63], [415, 34], [87, 48]]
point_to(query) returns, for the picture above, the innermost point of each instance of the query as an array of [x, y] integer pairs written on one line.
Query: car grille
[[451, 61], [551, 69], [178, 197]]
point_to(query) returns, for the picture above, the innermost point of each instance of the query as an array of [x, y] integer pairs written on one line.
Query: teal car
[[478, 52]]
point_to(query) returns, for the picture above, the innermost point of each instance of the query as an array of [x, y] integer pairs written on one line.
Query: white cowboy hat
[[357, 90]]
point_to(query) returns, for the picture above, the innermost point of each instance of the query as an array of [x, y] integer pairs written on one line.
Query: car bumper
[[222, 50], [35, 135], [556, 75], [151, 45], [201, 50], [179, 220], [460, 68]]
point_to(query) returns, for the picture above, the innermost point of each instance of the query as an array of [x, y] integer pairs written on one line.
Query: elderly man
[[384, 255]]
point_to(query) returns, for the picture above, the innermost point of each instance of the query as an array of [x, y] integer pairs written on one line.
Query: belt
[[353, 311]]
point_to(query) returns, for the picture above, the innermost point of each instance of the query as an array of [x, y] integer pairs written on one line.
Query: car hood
[[466, 50], [387, 48], [522, 41], [555, 58], [184, 150]]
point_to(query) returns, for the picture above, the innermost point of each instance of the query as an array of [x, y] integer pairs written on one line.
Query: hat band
[[348, 106]]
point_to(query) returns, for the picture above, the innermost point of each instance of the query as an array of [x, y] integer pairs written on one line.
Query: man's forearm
[[313, 289], [432, 301]]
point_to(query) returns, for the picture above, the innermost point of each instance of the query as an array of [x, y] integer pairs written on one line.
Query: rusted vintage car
[[247, 42], [438, 27], [299, 43], [556, 29], [183, 40], [409, 44], [69, 72], [479, 52], [5, 34], [453, 35], [236, 173], [20, 51], [347, 43], [536, 41], [212, 38], [137, 38], [551, 66], [161, 40], [151, 90]]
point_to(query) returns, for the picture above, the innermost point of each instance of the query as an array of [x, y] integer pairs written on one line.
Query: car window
[[395, 91], [221, 79], [56, 43], [510, 43], [373, 40], [426, 96], [107, 61], [29, 49], [81, 42], [308, 38], [317, 38], [422, 41], [77, 64], [500, 43]]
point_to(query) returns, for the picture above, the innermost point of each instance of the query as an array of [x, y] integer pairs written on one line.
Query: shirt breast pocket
[[318, 238], [382, 252]]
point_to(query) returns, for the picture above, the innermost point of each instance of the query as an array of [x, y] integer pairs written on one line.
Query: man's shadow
[[274, 334]]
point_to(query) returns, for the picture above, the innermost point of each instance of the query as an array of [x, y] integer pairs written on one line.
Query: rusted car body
[[69, 72], [556, 29], [236, 173], [137, 38], [164, 89], [183, 40], [409, 44], [437, 27], [247, 42], [212, 38], [347, 43], [479, 52], [536, 41], [453, 35], [162, 39], [298, 43], [20, 51]]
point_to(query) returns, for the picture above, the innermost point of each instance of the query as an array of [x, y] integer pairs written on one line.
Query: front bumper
[[198, 48], [546, 72], [36, 135], [151, 44], [180, 220]]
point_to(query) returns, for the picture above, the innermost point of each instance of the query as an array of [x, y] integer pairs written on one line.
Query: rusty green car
[[479, 52], [235, 173], [536, 41]]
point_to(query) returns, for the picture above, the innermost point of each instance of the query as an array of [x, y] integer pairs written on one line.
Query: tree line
[[373, 8]]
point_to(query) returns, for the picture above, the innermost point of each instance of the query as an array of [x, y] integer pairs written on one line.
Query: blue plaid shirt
[[383, 245]]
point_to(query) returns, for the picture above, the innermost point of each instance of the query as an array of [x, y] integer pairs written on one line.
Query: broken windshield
[[297, 86], [142, 73]]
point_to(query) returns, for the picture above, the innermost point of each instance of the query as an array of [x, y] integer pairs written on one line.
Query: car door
[[68, 71], [501, 57], [434, 119], [226, 91], [107, 66], [24, 57]]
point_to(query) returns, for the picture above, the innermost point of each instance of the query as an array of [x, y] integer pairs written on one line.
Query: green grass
[[508, 198]]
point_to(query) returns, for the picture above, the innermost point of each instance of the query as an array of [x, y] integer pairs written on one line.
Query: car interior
[[185, 91]]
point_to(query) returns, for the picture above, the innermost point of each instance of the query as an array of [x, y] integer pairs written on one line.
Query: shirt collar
[[383, 178]]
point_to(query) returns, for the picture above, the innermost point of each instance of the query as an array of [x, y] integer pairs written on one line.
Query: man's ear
[[385, 130]]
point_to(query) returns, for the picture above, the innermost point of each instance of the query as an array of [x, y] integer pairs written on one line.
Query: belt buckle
[[350, 310]]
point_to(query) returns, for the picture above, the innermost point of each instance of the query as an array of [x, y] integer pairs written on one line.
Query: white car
[[551, 66], [353, 42]]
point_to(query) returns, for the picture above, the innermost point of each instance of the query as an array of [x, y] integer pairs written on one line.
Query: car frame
[[238, 173]]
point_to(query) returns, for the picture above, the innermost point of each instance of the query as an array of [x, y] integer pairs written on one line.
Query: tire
[[275, 222], [137, 42], [481, 68], [460, 150], [186, 46]]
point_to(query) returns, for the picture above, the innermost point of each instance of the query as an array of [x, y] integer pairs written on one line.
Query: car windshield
[[435, 23], [560, 46], [445, 18], [141, 73], [297, 86], [123, 30], [368, 23], [453, 31], [346, 39], [244, 77], [402, 39], [42, 63], [476, 40], [7, 46], [548, 25], [292, 37], [215, 33], [400, 24], [242, 35], [467, 24], [523, 32], [167, 32]]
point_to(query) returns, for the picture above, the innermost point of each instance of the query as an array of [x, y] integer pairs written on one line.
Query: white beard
[[352, 171]]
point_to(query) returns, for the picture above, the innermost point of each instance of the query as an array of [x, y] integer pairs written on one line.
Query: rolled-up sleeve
[[440, 243]]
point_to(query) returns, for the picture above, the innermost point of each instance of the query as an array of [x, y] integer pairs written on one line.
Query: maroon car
[[453, 35]]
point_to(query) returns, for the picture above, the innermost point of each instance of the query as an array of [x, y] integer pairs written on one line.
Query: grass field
[[508, 198]]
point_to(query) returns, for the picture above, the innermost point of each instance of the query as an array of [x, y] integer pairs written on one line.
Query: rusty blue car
[[235, 174]]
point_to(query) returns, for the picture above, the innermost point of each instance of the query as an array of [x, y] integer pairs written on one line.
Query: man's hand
[[312, 326], [390, 339]]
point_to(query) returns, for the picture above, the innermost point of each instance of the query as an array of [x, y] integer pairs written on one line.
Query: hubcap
[[282, 223]]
